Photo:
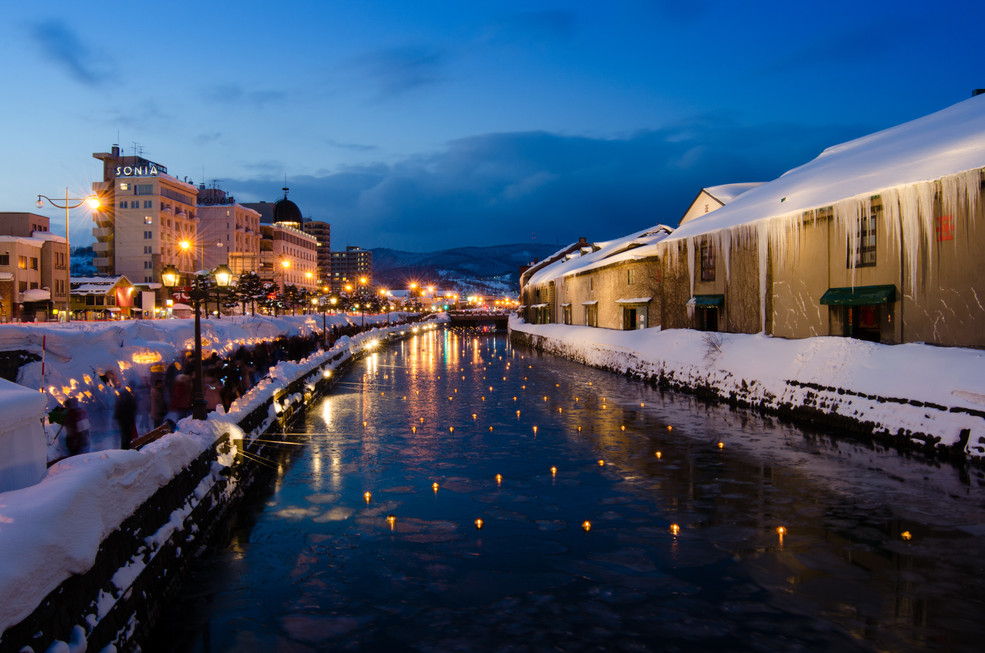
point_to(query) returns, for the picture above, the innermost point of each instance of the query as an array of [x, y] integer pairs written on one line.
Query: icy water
[[614, 517]]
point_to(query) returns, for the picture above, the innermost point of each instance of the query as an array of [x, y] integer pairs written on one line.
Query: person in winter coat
[[158, 403], [181, 398], [125, 414], [76, 424]]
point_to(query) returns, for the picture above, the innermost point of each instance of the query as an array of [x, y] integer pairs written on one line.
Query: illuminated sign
[[146, 169]]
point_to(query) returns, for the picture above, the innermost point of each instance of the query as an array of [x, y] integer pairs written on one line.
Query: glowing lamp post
[[169, 278], [93, 202], [222, 275]]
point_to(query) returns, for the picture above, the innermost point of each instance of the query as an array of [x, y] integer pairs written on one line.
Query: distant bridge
[[479, 318]]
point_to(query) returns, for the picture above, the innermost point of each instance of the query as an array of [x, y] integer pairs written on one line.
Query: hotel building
[[145, 215]]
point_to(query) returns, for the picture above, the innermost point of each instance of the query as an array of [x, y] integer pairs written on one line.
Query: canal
[[613, 516]]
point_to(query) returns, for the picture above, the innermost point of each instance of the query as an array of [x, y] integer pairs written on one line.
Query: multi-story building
[[147, 219], [323, 232], [350, 266], [288, 255], [34, 276], [228, 232]]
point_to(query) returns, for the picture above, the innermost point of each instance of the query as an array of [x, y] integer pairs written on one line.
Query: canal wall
[[114, 532], [910, 397]]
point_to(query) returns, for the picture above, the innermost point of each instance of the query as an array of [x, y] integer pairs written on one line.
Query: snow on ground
[[53, 529], [855, 377]]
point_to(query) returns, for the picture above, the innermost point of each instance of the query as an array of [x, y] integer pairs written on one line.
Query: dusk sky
[[427, 125]]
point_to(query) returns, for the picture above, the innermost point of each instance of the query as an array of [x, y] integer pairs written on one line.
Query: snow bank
[[910, 389]]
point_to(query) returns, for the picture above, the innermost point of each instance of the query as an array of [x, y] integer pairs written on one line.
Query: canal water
[[614, 517]]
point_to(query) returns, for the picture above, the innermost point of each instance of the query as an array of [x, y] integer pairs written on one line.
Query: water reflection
[[642, 552]]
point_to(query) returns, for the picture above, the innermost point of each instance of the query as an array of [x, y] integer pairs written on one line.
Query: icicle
[[725, 247], [691, 253], [763, 242]]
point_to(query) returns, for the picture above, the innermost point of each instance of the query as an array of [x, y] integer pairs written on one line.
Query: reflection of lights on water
[[675, 529], [781, 531], [490, 428], [535, 430], [391, 519], [658, 454], [434, 486], [478, 524], [623, 427], [499, 479], [586, 525], [368, 496], [670, 428], [553, 471], [601, 463], [721, 445], [413, 429], [906, 535]]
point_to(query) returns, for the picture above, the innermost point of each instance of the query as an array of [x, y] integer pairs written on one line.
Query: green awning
[[707, 301], [859, 296]]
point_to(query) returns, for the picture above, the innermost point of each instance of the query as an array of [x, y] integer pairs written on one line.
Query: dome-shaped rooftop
[[286, 211]]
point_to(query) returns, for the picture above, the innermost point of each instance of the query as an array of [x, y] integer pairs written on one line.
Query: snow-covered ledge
[[917, 394]]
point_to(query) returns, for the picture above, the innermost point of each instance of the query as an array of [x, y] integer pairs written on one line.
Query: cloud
[[352, 147], [236, 94], [498, 188], [397, 71], [61, 44]]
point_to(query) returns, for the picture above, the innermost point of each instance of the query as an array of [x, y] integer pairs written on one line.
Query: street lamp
[[93, 202], [223, 275], [169, 277]]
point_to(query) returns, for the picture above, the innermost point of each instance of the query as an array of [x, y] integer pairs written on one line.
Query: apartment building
[[147, 219]]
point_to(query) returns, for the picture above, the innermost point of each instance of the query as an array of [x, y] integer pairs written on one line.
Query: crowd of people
[[146, 401]]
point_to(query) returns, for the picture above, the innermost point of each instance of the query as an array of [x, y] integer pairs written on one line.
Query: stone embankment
[[912, 398], [156, 508]]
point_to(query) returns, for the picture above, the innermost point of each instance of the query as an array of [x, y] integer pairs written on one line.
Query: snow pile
[[22, 453], [913, 388]]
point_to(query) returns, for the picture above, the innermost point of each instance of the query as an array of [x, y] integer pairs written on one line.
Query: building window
[[707, 261], [143, 189], [862, 252], [4, 259], [630, 276], [148, 265], [148, 204], [124, 186], [148, 249], [22, 262], [21, 286], [123, 204], [148, 235], [34, 263], [592, 315]]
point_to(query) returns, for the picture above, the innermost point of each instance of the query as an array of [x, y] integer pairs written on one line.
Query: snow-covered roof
[[23, 240], [95, 285], [640, 244], [944, 143], [726, 193]]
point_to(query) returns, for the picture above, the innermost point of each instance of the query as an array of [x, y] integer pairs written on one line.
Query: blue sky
[[427, 125]]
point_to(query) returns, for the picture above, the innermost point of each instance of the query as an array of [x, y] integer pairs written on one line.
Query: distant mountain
[[486, 270]]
